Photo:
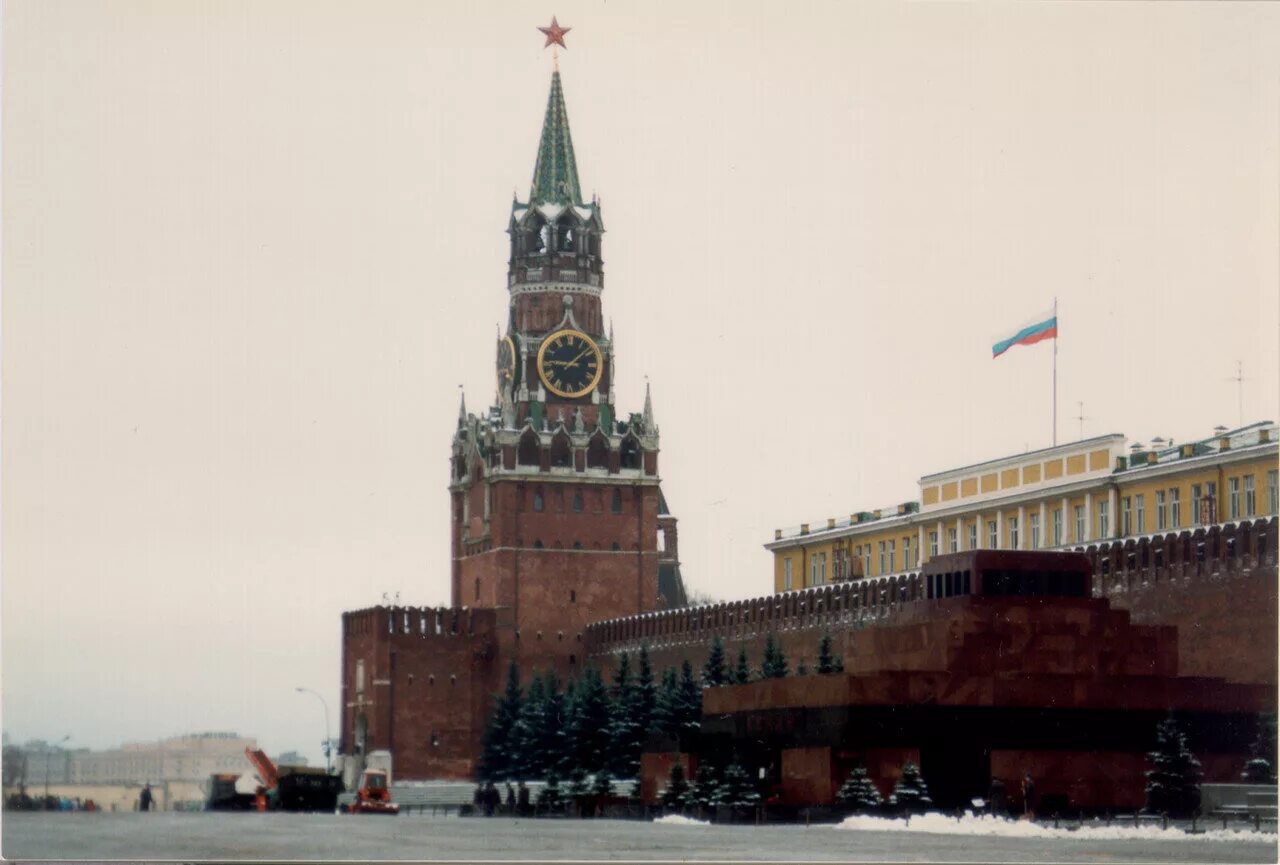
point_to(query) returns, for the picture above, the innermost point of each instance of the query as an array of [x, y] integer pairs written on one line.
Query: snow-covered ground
[[938, 824], [679, 820]]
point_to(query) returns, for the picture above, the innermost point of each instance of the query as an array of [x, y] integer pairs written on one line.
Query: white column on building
[[1045, 537], [1066, 522], [942, 548], [959, 533], [999, 529], [1088, 516], [980, 526], [1113, 513], [920, 547], [1022, 527]]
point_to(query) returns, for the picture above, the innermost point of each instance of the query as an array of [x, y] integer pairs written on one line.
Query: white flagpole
[[1055, 371]]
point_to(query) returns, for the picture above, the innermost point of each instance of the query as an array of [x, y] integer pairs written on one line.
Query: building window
[[615, 503], [1013, 533], [1233, 498], [1273, 490], [1194, 516], [1057, 527], [1211, 507], [360, 675], [1140, 511], [1160, 514], [933, 544], [893, 553], [1175, 507], [1250, 499], [993, 535], [1079, 524], [866, 561], [880, 549], [577, 503], [1126, 516], [477, 588], [953, 541], [973, 535], [538, 503], [1104, 520], [908, 560], [1035, 531], [786, 575], [822, 568]]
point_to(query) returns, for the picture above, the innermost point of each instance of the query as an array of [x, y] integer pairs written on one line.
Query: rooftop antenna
[[1081, 417], [1239, 379]]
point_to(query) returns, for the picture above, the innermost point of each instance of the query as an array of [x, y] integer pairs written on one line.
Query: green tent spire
[[555, 176]]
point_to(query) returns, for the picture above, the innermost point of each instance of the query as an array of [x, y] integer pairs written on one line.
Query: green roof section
[[555, 175]]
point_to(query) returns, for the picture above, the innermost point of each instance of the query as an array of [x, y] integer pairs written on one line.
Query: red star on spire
[[555, 34]]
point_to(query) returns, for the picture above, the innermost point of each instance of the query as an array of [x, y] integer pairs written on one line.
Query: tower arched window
[[527, 455], [577, 503], [561, 450], [598, 451], [537, 545], [630, 457], [577, 545], [615, 502], [538, 502]]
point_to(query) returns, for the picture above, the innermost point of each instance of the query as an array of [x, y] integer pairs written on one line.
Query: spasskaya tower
[[557, 513]]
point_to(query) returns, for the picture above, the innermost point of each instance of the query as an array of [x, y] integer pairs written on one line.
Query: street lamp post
[[327, 741], [48, 755]]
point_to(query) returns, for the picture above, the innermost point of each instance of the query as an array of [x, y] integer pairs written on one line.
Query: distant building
[[182, 758], [291, 758]]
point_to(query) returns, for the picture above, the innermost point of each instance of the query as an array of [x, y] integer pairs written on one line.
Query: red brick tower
[[557, 518], [555, 496]]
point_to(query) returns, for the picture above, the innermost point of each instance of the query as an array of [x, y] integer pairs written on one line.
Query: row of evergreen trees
[[591, 727]]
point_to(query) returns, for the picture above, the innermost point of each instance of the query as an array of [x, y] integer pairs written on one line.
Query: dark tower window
[[615, 504], [528, 452], [598, 451], [615, 547], [565, 236], [630, 453], [538, 503], [561, 450], [577, 503], [577, 545], [477, 588], [537, 545], [573, 596]]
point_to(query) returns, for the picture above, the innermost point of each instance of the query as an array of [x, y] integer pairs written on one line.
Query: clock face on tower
[[569, 363], [506, 362]]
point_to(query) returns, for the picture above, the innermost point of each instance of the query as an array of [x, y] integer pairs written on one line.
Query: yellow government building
[[1080, 493]]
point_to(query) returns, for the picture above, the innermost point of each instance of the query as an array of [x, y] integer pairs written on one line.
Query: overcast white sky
[[252, 249]]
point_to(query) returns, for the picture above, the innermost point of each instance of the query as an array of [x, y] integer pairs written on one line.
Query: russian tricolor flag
[[1043, 327]]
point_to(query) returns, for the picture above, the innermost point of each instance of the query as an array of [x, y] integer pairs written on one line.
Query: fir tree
[[673, 795], [552, 737], [716, 671], [498, 758], [859, 792], [625, 728], [602, 786], [549, 797], [705, 792], [646, 696], [1173, 781], [742, 672], [688, 705], [665, 710], [910, 793], [527, 759], [593, 743], [577, 789], [567, 761], [775, 662], [827, 662], [1261, 768], [737, 789]]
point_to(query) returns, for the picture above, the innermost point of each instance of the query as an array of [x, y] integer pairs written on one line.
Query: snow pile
[[938, 824], [679, 820]]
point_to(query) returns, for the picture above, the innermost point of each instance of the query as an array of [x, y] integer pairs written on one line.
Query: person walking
[[144, 799], [1028, 796]]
